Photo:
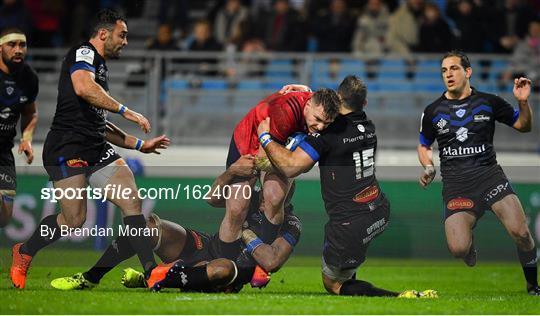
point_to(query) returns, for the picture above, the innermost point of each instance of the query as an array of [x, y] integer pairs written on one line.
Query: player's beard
[[110, 51], [14, 67]]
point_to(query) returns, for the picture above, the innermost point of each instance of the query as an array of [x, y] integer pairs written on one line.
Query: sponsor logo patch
[[462, 134], [496, 190], [5, 113], [463, 151], [460, 204], [442, 123], [361, 128], [481, 118], [76, 163], [460, 113], [4, 177], [458, 106], [84, 54], [367, 195]]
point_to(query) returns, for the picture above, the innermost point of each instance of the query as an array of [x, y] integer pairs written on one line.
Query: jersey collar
[[473, 92]]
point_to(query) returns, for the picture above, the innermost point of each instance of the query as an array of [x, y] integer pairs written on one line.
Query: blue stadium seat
[[324, 83], [428, 70], [250, 85], [498, 67], [214, 84], [392, 69], [276, 83], [279, 68], [351, 67], [429, 86], [177, 84], [320, 67]]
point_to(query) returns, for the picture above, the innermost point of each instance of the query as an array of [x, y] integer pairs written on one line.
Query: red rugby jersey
[[286, 114]]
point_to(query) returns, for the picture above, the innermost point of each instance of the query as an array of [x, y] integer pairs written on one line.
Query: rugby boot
[[75, 282], [19, 266], [534, 291], [260, 278], [133, 279]]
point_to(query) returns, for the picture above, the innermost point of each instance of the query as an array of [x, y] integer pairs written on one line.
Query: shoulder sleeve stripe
[[298, 107], [293, 109], [425, 141], [309, 150], [290, 239], [82, 66]]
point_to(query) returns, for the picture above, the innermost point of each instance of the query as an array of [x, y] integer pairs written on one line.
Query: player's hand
[[522, 88], [137, 118], [264, 126], [294, 88], [427, 176], [244, 167], [151, 146], [26, 147]]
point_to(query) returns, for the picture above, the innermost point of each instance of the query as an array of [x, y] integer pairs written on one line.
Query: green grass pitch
[[489, 288]]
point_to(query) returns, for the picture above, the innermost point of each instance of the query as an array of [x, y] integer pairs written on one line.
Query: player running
[[357, 208], [294, 112], [76, 151], [19, 86], [462, 121], [193, 255]]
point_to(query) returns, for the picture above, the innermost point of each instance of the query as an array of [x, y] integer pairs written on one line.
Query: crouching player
[[192, 257]]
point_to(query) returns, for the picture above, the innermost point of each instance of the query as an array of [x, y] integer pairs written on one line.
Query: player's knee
[[237, 213], [521, 234], [273, 198], [221, 270], [75, 220], [458, 251], [131, 205]]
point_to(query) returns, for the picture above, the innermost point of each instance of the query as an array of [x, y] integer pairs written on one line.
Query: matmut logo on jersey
[[463, 151], [367, 195], [460, 204]]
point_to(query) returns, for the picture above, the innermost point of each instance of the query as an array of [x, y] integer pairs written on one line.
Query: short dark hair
[[10, 30], [329, 100], [105, 19], [353, 93], [463, 59]]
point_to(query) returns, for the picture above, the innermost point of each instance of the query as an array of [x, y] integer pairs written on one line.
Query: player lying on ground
[[294, 112], [357, 208], [462, 121], [191, 260], [19, 86]]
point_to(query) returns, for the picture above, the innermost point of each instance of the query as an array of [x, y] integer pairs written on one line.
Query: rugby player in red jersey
[[289, 113]]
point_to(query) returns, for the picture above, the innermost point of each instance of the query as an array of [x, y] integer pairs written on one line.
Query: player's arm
[[522, 91], [118, 137], [269, 257], [289, 163], [425, 156], [29, 118], [294, 88], [425, 151], [87, 88], [244, 167]]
